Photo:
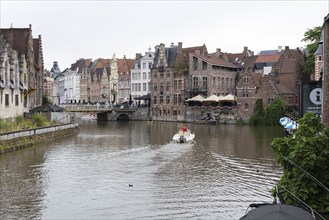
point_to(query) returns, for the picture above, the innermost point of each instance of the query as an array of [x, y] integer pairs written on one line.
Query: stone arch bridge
[[107, 114]]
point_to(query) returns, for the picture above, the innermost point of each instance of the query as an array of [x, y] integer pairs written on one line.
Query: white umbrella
[[198, 98]]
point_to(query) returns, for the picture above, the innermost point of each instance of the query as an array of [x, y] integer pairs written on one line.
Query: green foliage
[[180, 65], [259, 116], [309, 149], [274, 112], [46, 100], [312, 36], [39, 120]]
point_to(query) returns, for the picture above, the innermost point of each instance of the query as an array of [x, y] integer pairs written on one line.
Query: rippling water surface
[[87, 176]]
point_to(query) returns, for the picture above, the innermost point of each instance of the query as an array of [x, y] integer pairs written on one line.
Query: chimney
[[172, 44], [245, 49], [286, 48], [218, 52], [180, 47], [138, 56], [279, 49]]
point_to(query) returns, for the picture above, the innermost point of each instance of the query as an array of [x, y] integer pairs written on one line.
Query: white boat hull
[[186, 137]]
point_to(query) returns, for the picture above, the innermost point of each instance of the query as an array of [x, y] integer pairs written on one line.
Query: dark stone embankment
[[37, 137]]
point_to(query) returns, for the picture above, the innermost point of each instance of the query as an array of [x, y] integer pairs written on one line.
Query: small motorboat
[[184, 136]]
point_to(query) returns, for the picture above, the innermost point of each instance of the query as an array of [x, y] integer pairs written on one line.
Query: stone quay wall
[[11, 141]]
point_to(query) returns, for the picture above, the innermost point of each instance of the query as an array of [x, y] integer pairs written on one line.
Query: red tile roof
[[272, 58]]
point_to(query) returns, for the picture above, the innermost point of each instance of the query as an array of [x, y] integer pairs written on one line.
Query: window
[[180, 84], [245, 93], [175, 84], [270, 100], [179, 98], [320, 58], [195, 63], [195, 82], [161, 99], [222, 82], [214, 82], [204, 83], [168, 101], [155, 87], [16, 100], [175, 99], [144, 75], [226, 85], [246, 79], [144, 86], [6, 99], [155, 100], [167, 87], [276, 72], [246, 106], [204, 65], [144, 65]]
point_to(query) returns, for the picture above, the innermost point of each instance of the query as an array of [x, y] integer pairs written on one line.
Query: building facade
[[13, 82], [141, 75], [22, 41]]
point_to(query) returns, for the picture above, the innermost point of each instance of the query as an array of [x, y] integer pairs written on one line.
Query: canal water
[[132, 170]]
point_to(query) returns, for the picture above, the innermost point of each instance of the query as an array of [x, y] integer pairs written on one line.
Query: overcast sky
[[96, 29]]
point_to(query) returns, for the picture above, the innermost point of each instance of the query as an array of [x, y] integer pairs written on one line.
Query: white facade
[[13, 83], [71, 86], [141, 75]]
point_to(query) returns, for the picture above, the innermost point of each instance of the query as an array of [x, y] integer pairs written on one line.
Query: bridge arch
[[123, 117]]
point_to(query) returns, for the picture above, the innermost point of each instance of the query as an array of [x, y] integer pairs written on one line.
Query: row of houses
[[173, 74], [168, 76], [21, 71]]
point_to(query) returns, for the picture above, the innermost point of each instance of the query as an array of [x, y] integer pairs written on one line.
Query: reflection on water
[[87, 176]]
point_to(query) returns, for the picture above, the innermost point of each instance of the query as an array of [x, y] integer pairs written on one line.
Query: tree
[[307, 149], [259, 116], [274, 112], [312, 37], [46, 100]]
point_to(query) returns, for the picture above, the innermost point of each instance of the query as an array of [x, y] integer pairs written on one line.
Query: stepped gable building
[[271, 74], [13, 81], [81, 67], [98, 71], [124, 78], [171, 81], [21, 40]]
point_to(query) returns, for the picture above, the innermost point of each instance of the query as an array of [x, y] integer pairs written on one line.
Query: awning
[[229, 98], [198, 98], [212, 98]]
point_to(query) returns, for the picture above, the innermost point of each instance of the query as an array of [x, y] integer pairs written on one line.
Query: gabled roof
[[215, 61], [187, 50], [272, 58]]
